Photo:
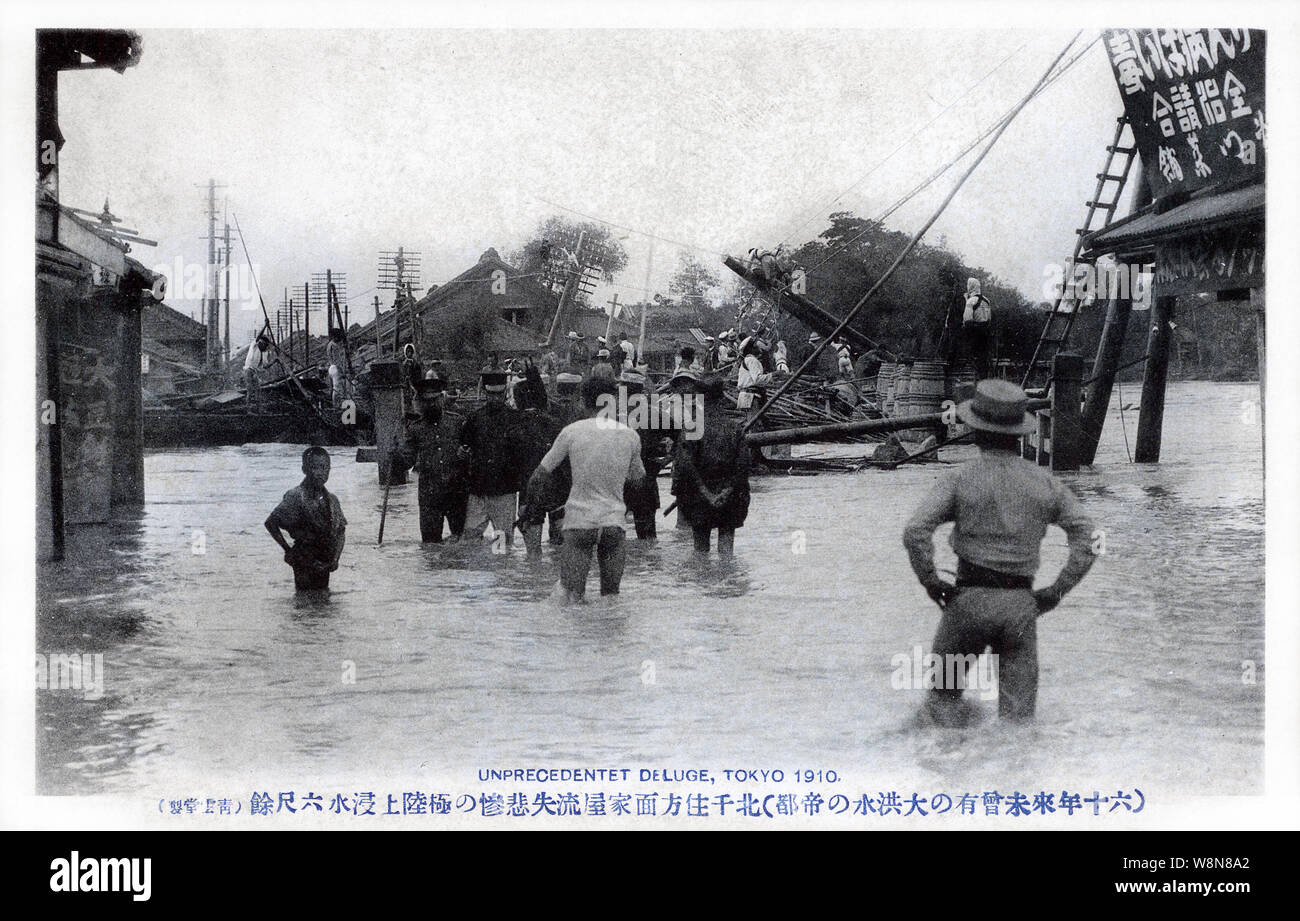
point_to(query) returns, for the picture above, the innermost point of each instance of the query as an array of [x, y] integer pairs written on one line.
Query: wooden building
[[1195, 100], [90, 296]]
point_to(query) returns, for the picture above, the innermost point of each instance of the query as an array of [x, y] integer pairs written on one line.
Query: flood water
[[218, 680]]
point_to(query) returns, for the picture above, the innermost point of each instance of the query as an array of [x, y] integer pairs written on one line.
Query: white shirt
[[603, 454], [256, 359]]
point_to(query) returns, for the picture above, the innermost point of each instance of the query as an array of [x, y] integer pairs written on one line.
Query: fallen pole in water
[[861, 427]]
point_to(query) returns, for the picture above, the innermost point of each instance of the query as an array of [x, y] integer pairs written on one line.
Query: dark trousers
[[306, 578], [439, 504], [1004, 621], [557, 524], [645, 524], [575, 559], [977, 346]]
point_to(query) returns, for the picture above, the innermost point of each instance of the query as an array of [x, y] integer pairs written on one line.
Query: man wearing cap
[[537, 431], [642, 499], [432, 446], [1000, 505], [488, 442]]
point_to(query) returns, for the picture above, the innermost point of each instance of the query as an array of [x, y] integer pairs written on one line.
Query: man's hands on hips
[[940, 592], [1046, 599]]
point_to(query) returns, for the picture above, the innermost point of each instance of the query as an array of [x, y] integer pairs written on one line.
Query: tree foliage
[[909, 313], [560, 231]]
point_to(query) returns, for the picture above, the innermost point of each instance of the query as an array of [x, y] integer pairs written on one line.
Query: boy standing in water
[[312, 516], [1000, 505]]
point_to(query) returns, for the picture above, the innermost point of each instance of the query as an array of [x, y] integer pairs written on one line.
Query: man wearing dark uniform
[[432, 446], [642, 497], [537, 430], [489, 442]]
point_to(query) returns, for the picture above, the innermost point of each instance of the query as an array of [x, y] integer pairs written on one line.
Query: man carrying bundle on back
[[1000, 505], [711, 475], [976, 326]]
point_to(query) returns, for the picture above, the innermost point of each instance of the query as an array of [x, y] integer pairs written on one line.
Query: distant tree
[[695, 285], [556, 232], [910, 313]]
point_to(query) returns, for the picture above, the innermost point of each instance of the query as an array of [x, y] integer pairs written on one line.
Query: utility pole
[[211, 320], [210, 314], [306, 322], [226, 349], [649, 267]]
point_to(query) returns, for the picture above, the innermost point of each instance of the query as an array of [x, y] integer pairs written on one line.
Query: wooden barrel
[[885, 386], [902, 399], [925, 393]]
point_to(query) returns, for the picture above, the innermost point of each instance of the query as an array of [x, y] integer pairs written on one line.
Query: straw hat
[[998, 406]]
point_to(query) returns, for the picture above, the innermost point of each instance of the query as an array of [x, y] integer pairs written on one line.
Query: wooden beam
[[1067, 375], [1105, 368], [1151, 415], [811, 315]]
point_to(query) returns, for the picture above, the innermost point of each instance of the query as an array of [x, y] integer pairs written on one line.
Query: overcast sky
[[335, 145]]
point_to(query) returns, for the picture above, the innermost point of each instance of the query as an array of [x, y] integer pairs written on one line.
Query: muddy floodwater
[[427, 663]]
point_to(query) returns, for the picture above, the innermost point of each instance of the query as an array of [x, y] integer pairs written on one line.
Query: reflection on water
[[427, 658]]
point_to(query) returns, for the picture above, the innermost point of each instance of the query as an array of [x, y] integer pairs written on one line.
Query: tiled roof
[[1206, 211]]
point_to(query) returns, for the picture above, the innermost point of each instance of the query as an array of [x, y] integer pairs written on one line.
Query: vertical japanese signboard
[[1195, 98]]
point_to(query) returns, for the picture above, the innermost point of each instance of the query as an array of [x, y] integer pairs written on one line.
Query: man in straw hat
[[578, 354], [1000, 505]]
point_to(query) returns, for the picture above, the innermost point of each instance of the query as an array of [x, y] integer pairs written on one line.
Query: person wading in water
[[312, 516], [432, 446], [604, 454], [711, 474], [1000, 505]]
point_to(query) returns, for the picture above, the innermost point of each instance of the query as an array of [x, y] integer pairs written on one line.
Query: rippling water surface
[[217, 675]]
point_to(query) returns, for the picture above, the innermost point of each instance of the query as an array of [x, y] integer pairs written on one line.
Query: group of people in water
[[568, 460]]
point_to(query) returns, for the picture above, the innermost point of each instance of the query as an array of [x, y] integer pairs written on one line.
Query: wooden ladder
[[1101, 211]]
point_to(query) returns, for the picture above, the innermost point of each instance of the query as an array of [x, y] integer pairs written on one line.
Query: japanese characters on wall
[[1225, 259], [1195, 98]]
